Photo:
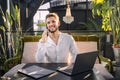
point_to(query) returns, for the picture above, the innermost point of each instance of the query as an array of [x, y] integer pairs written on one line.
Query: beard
[[53, 31]]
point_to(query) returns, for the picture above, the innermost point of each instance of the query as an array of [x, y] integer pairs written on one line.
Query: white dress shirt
[[64, 51]]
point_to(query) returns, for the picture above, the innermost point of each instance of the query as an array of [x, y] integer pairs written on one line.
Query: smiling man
[[55, 46]]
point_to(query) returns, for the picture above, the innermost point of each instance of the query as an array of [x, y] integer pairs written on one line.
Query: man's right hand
[[44, 35]]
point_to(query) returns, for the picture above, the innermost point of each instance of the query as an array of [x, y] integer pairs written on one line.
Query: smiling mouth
[[52, 31]]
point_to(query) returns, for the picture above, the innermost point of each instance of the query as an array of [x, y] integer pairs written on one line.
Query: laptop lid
[[84, 62]]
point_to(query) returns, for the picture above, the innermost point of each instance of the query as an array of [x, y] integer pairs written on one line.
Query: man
[[55, 46]]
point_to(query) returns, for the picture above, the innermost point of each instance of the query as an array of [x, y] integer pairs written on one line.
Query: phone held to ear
[[47, 29]]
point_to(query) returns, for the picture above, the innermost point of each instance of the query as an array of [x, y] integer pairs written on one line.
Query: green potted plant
[[15, 38], [3, 56], [41, 25], [109, 10]]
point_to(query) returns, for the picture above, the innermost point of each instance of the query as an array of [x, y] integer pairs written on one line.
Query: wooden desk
[[91, 75]]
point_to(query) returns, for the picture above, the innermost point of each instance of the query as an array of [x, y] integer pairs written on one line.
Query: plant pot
[[117, 55], [2, 72]]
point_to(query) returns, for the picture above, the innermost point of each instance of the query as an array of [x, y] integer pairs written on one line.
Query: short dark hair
[[52, 15]]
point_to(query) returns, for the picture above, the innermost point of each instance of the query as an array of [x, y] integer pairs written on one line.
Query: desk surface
[[91, 75]]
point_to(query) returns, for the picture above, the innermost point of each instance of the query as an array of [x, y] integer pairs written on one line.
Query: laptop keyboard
[[70, 67], [67, 68]]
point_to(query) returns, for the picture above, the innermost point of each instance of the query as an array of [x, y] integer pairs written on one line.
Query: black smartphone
[[48, 30], [46, 27]]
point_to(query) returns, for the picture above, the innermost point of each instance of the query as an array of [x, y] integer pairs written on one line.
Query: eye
[[48, 22], [53, 21]]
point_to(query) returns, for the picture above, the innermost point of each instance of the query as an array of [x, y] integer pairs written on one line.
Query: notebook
[[84, 62], [35, 72]]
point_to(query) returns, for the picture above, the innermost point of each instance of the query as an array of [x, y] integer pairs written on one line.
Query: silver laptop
[[84, 62]]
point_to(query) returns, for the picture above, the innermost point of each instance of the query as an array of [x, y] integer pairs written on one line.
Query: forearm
[[40, 55]]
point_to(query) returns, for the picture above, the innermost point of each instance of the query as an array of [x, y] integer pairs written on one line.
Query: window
[[39, 17]]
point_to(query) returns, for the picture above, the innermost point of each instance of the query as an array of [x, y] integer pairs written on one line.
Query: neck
[[55, 34]]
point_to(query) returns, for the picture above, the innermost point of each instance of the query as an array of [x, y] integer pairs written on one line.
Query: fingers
[[44, 35]]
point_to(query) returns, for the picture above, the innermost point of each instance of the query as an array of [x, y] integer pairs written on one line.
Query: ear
[[59, 23]]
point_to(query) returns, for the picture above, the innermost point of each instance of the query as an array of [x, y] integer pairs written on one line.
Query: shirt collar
[[59, 40]]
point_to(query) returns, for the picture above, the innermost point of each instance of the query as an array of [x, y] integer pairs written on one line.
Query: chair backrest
[[30, 48], [30, 44], [29, 51], [86, 46], [85, 43]]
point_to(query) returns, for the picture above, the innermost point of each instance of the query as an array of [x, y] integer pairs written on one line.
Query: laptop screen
[[84, 62]]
